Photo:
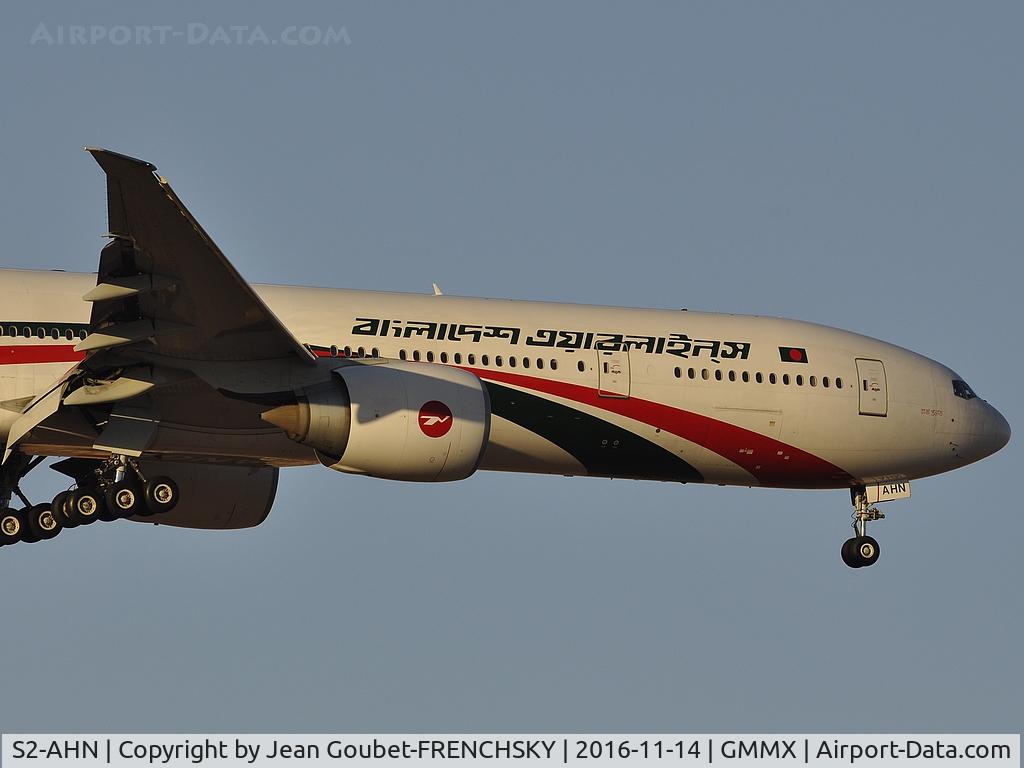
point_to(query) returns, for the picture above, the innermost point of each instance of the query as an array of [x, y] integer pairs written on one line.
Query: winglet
[[102, 155]]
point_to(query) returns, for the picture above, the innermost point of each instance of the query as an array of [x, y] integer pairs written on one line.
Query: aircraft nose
[[998, 431], [987, 432]]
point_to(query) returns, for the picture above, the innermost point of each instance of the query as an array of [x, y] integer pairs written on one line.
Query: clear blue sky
[[856, 164]]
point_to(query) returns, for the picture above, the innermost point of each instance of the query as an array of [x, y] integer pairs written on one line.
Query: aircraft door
[[613, 373], [874, 399]]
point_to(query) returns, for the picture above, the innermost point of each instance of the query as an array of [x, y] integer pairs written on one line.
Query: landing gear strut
[[861, 550], [108, 490]]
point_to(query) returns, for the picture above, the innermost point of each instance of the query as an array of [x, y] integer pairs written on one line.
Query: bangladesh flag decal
[[793, 354]]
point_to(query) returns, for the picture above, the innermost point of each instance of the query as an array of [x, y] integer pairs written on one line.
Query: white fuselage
[[578, 389]]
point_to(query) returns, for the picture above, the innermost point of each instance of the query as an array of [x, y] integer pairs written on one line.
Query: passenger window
[[785, 379], [691, 373], [746, 377], [839, 383], [472, 359], [704, 374], [677, 372], [759, 378], [484, 360], [554, 365], [416, 355], [498, 361], [444, 357], [458, 358], [732, 375], [348, 351], [772, 378], [581, 366], [813, 381], [718, 374], [83, 334], [430, 356], [799, 380], [824, 381], [540, 363], [54, 334], [375, 352], [401, 354], [512, 362], [526, 362], [40, 333]]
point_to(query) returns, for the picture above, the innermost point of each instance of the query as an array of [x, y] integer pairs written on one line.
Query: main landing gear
[[861, 550], [115, 489]]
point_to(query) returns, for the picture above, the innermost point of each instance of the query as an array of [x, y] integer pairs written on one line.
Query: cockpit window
[[960, 389]]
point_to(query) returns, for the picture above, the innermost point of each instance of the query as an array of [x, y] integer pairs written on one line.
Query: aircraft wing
[[166, 302], [163, 281]]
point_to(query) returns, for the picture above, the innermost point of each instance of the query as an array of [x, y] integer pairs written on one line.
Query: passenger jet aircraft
[[176, 391]]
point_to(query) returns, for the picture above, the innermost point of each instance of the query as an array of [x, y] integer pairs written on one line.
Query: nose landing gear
[[861, 550]]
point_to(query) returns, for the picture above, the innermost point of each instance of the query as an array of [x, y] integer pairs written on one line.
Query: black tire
[[85, 505], [867, 551], [12, 526], [161, 494], [62, 509], [27, 536], [125, 499], [42, 522], [849, 553]]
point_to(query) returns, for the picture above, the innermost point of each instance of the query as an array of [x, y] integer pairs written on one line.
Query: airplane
[[173, 391]]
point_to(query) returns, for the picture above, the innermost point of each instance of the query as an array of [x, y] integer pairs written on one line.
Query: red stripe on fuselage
[[771, 461], [26, 354]]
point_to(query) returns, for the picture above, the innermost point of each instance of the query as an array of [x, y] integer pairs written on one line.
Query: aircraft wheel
[[860, 552], [42, 523], [867, 551], [161, 494], [849, 553], [84, 505], [27, 534], [12, 526], [62, 510], [125, 499]]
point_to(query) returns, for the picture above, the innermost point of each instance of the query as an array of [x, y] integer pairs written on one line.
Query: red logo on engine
[[435, 419]]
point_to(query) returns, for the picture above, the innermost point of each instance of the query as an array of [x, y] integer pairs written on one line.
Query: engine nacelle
[[215, 496], [394, 420]]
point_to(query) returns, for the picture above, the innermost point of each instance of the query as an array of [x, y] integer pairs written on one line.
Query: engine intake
[[394, 420]]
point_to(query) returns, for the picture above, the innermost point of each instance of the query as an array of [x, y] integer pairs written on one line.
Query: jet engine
[[394, 420], [215, 496]]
